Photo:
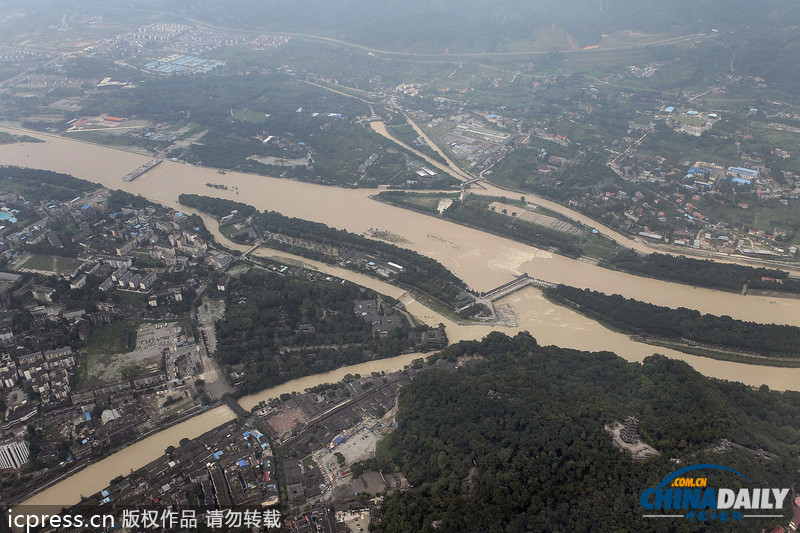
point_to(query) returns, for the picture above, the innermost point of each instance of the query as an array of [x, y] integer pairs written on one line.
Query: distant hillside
[[483, 25]]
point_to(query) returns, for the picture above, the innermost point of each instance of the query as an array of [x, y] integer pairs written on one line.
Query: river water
[[95, 477], [483, 261]]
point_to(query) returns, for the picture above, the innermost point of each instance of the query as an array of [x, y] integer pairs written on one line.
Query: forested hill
[[484, 25], [531, 420]]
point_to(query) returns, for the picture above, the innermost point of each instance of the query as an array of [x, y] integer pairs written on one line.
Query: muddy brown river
[[484, 261]]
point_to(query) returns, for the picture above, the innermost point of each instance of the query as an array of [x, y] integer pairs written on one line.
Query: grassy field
[[181, 404], [406, 134], [765, 216], [108, 338], [484, 201], [427, 201], [440, 129], [50, 263], [599, 246], [10, 185], [688, 120], [246, 115], [131, 297], [112, 139], [105, 342]]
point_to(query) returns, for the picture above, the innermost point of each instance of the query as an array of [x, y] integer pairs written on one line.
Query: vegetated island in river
[[514, 219], [8, 138], [408, 269], [574, 240], [703, 272], [686, 329]]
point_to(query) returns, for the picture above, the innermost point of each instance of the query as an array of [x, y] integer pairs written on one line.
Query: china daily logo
[[693, 499]]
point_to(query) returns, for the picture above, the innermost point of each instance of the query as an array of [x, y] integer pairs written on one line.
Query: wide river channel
[[483, 261]]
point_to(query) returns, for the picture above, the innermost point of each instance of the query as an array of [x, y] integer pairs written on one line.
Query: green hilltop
[[526, 425]]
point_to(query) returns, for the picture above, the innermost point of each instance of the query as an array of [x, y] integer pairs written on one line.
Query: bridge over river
[[513, 286], [520, 282]]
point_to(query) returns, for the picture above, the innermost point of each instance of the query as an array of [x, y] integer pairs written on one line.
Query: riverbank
[[97, 476], [491, 188], [469, 251], [483, 261]]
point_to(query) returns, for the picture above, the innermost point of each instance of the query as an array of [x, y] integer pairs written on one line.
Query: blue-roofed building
[[749, 172], [699, 172], [742, 175], [669, 109]]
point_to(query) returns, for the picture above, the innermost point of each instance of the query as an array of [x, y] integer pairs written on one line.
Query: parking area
[[169, 339], [357, 447]]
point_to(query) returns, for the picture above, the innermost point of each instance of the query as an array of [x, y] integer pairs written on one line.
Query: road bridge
[[251, 249], [234, 406], [513, 286]]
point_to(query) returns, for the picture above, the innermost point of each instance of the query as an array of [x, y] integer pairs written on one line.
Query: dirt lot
[[357, 447], [107, 365], [288, 419], [167, 403], [208, 313]]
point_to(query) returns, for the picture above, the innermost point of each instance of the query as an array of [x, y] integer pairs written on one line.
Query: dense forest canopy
[[44, 179], [527, 422], [678, 324], [216, 207], [703, 272], [262, 333]]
